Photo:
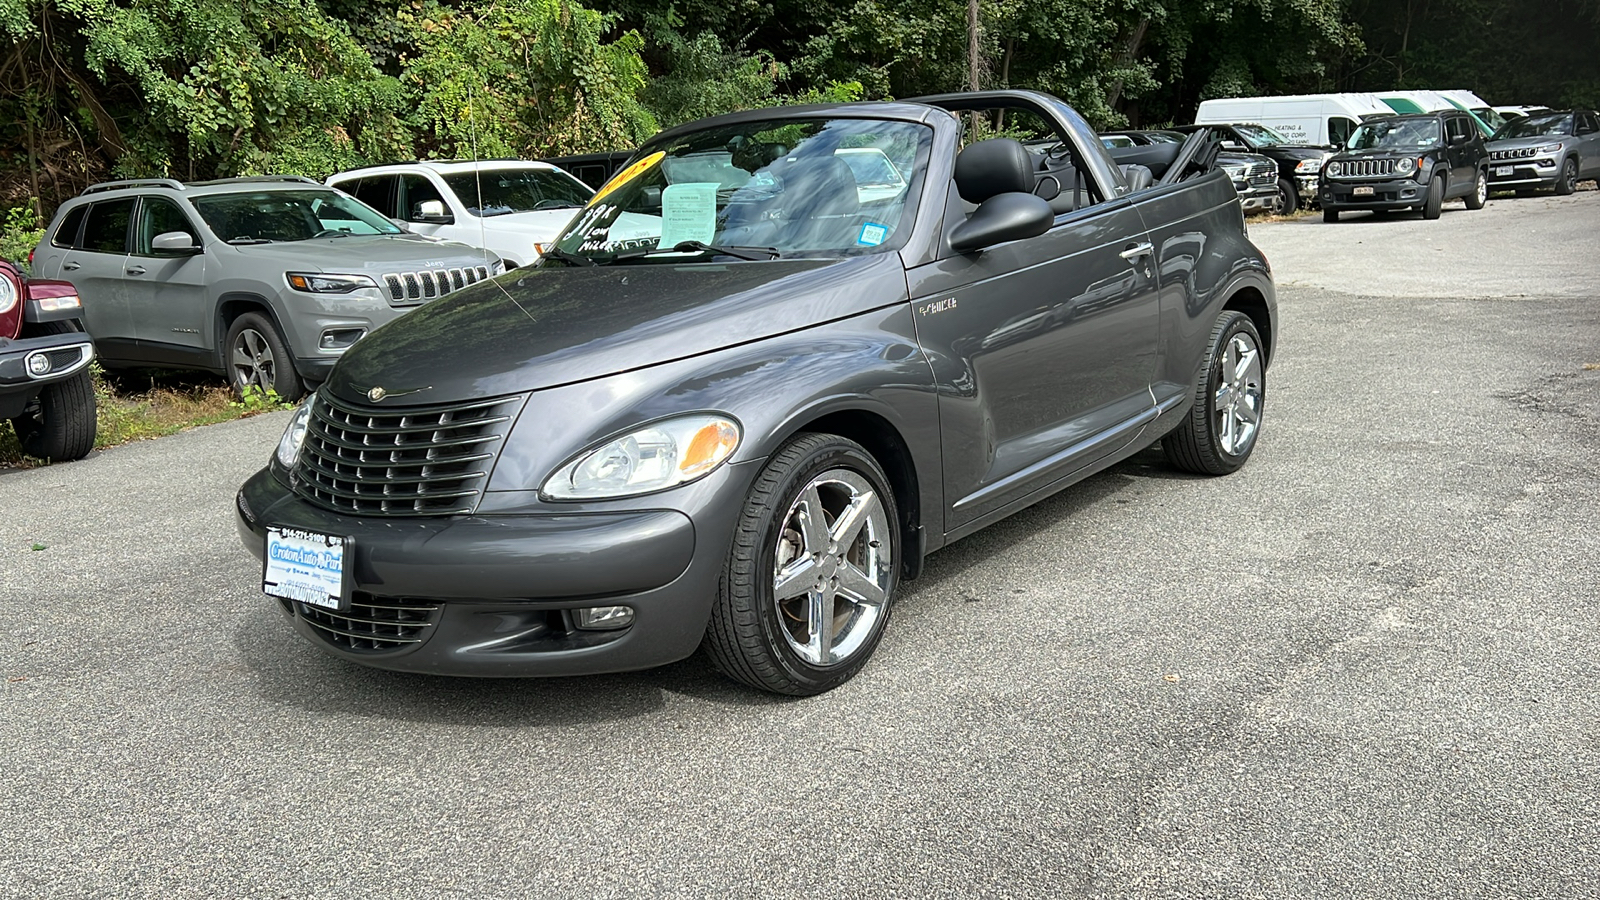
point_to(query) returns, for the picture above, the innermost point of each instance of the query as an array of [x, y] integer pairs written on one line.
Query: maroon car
[[45, 386]]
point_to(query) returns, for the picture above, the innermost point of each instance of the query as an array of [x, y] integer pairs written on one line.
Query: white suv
[[512, 208]]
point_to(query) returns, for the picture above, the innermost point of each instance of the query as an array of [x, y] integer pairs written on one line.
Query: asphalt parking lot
[[1364, 666]]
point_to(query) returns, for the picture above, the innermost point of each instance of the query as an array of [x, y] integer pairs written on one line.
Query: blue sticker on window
[[873, 234]]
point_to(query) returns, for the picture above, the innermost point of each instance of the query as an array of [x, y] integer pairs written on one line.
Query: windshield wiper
[[755, 254], [571, 259]]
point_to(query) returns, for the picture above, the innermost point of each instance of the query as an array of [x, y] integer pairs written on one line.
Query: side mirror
[[178, 243], [1004, 217], [434, 213]]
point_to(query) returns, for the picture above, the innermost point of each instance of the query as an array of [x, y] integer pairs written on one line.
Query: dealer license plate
[[307, 567], [1503, 171], [1363, 192]]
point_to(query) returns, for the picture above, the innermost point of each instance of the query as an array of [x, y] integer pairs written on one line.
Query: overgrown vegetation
[[194, 89]]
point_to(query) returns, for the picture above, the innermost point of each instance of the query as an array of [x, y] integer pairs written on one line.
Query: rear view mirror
[[178, 243], [1004, 217]]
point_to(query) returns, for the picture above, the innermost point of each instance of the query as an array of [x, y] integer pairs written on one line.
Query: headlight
[[1550, 148], [1309, 166], [8, 292], [1405, 166], [1335, 168], [1234, 171], [653, 458], [315, 283], [294, 437]]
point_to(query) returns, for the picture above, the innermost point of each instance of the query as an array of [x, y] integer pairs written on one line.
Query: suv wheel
[[1288, 200], [806, 590], [257, 358], [1480, 192], [1568, 181], [1229, 395], [1435, 201]]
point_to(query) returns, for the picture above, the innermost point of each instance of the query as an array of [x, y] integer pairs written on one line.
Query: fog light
[[603, 618], [1547, 163], [341, 338], [38, 364]]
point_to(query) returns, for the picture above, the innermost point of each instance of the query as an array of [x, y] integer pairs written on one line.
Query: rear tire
[[1435, 202], [257, 357], [1229, 397], [809, 582], [59, 424], [1480, 192]]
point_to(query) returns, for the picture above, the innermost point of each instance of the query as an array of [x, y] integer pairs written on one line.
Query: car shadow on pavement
[[288, 670]]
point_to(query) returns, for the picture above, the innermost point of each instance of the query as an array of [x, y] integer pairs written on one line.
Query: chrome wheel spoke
[[849, 523], [819, 622], [859, 587], [812, 521], [795, 579]]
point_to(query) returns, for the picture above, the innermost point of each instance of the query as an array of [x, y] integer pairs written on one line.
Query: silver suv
[[265, 280]]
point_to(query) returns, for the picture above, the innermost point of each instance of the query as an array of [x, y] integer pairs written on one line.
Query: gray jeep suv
[[266, 280]]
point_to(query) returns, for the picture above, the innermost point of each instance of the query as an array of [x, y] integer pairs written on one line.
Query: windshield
[[1260, 135], [497, 192], [1399, 134], [1535, 126], [269, 216], [1489, 117], [791, 186]]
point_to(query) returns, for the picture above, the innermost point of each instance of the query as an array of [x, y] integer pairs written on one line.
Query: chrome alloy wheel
[[832, 572], [1237, 401], [252, 361], [1482, 189]]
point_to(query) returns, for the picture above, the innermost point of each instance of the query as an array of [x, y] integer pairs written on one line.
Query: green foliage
[[255, 400], [20, 233]]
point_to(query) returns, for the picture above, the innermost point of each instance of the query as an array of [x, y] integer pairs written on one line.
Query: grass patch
[[140, 405]]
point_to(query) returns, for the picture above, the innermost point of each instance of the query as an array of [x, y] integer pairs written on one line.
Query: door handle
[[70, 266], [1138, 250], [136, 270]]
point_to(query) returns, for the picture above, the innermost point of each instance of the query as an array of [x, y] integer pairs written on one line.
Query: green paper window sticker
[[688, 213]]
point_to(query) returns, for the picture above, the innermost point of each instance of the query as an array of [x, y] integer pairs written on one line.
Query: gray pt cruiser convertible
[[754, 384]]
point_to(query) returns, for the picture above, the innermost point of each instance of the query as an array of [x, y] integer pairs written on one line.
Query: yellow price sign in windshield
[[627, 175]]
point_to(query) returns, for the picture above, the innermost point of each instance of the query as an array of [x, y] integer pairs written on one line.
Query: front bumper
[[1398, 193], [492, 595], [1524, 173], [1261, 198], [63, 355]]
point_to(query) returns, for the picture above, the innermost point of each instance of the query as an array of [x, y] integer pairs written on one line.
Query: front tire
[[257, 358], [1288, 197], [1435, 202], [1480, 192], [1229, 394], [806, 591], [59, 424], [1567, 182]]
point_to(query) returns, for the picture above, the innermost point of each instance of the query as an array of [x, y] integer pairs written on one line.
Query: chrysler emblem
[[377, 394]]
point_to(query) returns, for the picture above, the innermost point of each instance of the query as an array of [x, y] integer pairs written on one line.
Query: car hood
[[1383, 153], [541, 223], [366, 253], [543, 327], [1543, 140], [1292, 152]]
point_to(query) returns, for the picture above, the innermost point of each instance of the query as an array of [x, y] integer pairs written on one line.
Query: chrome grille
[[417, 461], [1262, 173], [1365, 168], [425, 284], [372, 624], [1518, 153]]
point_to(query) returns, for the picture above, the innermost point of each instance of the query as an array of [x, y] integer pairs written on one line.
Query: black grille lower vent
[[416, 461], [373, 624]]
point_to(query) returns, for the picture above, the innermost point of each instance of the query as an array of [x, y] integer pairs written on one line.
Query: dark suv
[[1407, 162], [45, 387]]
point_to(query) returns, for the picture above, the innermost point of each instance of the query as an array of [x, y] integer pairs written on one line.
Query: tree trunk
[[1130, 52], [974, 49]]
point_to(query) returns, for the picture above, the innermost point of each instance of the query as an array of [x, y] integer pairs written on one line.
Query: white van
[[1434, 101], [512, 208], [1316, 119]]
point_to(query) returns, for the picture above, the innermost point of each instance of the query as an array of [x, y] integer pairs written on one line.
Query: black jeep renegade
[[1407, 162]]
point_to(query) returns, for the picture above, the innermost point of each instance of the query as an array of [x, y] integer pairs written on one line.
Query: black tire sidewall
[[1473, 201], [1564, 185], [827, 452], [1434, 203], [285, 380], [66, 426], [1288, 197]]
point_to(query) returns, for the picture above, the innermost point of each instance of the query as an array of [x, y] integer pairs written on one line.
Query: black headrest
[[819, 186], [995, 166]]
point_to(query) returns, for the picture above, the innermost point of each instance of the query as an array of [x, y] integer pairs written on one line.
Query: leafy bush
[[20, 233]]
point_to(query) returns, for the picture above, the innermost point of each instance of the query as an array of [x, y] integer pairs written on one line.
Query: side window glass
[[1590, 126], [67, 234], [418, 190], [106, 229], [1339, 130], [158, 215], [377, 193]]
